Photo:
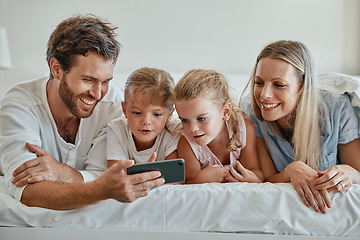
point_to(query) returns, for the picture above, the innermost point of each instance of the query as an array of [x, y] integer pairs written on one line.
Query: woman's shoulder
[[333, 99], [336, 105], [337, 109]]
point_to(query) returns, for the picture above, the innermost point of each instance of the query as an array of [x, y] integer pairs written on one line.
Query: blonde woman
[[304, 136], [217, 137]]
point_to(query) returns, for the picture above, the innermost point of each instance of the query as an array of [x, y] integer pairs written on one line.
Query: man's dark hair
[[79, 35]]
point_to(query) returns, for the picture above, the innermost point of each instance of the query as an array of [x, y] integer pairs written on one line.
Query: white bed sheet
[[229, 207]]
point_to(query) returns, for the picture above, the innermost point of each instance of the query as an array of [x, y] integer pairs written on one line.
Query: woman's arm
[[266, 164], [299, 174]]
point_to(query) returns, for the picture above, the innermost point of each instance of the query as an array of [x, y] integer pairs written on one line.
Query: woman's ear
[[227, 107], [55, 68], [123, 106]]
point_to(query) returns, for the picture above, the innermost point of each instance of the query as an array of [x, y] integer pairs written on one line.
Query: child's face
[[201, 119], [145, 121]]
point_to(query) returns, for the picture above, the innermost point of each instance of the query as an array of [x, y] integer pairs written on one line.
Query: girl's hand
[[302, 178], [337, 178], [152, 157], [245, 175], [214, 173]]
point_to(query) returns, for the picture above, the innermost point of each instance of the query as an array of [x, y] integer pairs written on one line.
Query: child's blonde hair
[[155, 86], [198, 83]]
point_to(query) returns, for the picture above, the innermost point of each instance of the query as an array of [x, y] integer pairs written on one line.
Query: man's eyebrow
[[86, 76], [94, 78]]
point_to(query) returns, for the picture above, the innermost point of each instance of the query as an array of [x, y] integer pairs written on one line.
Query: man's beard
[[70, 100]]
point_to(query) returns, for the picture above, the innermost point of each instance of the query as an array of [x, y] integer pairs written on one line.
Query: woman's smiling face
[[276, 88]]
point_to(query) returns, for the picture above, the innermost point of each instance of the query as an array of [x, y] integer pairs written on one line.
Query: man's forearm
[[61, 196], [114, 183]]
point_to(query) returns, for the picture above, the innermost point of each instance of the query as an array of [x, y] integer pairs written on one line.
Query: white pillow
[[340, 84]]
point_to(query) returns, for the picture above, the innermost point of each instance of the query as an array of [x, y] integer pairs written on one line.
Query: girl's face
[[201, 119], [146, 121], [276, 89]]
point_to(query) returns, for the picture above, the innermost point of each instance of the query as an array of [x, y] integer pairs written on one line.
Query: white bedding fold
[[229, 207]]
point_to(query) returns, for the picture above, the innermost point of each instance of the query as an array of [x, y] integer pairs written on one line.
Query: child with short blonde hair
[[145, 134], [217, 137]]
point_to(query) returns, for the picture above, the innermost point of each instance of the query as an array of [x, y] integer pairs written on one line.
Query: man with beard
[[53, 130]]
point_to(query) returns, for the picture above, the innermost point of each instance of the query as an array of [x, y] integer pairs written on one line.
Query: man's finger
[[35, 149], [145, 185], [144, 177], [21, 179], [22, 182], [26, 165], [121, 166]]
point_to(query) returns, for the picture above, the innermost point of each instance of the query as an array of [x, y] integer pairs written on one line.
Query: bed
[[218, 208], [201, 211]]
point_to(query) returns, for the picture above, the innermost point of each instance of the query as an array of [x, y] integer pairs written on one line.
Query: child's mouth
[[198, 136], [145, 131]]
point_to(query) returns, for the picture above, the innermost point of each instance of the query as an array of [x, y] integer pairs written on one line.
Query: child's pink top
[[207, 158]]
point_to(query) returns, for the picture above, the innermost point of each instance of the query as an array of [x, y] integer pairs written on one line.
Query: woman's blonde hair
[[307, 131], [198, 83], [154, 86]]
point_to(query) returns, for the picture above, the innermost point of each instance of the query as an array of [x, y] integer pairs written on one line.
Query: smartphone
[[171, 170]]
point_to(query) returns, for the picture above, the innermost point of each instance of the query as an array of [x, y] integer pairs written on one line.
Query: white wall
[[177, 35]]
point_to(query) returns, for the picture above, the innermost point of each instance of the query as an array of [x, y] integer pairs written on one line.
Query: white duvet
[[213, 207]]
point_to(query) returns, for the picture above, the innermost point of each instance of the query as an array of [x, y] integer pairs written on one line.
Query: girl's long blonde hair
[[214, 86], [307, 131]]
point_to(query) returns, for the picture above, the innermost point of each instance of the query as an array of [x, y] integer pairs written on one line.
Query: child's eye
[[184, 121], [136, 113], [157, 114], [201, 119]]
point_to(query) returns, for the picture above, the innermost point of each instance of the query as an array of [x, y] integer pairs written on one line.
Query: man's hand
[[43, 168], [127, 188]]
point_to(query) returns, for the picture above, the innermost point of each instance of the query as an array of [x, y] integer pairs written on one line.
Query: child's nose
[[193, 127], [146, 120]]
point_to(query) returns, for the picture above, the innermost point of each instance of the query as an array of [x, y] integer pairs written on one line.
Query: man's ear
[[227, 107], [123, 106], [55, 68]]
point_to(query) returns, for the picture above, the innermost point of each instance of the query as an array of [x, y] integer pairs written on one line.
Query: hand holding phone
[[171, 170]]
